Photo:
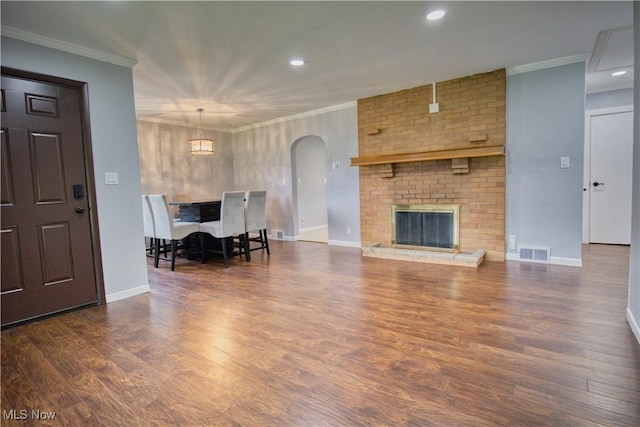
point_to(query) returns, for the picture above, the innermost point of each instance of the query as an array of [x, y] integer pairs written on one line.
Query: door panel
[[610, 186], [42, 105], [12, 278], [48, 169], [8, 198], [47, 252], [56, 253]]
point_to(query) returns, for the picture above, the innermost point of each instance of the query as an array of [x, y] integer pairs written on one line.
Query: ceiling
[[232, 58]]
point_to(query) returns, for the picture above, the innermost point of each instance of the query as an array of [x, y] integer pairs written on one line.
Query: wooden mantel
[[420, 156]]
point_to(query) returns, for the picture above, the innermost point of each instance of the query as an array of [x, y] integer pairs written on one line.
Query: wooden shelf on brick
[[420, 156]]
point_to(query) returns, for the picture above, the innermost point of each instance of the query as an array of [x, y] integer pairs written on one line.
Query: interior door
[[610, 185], [47, 255]]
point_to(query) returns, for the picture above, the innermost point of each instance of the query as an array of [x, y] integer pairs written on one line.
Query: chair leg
[[265, 242], [201, 236], [156, 255], [174, 248], [247, 246], [224, 252]]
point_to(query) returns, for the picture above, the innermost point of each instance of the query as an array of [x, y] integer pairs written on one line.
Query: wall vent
[[534, 254], [279, 234]]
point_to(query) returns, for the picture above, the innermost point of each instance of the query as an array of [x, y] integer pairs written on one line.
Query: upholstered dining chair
[[231, 224], [149, 226], [167, 228], [256, 219]]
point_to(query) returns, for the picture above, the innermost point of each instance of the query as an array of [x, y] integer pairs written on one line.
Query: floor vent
[[534, 254]]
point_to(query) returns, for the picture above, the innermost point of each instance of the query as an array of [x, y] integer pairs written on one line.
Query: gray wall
[[166, 167], [545, 120], [115, 149], [614, 98], [633, 310], [262, 159]]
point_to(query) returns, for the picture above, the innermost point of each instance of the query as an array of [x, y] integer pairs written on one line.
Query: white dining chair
[[231, 224], [167, 228], [149, 226], [256, 219]]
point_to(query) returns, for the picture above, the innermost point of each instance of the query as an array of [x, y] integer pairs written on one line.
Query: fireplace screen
[[426, 226]]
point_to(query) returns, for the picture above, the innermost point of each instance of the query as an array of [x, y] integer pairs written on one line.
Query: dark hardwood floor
[[316, 335]]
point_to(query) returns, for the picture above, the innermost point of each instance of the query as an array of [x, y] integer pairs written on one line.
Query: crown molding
[[547, 64], [297, 116], [67, 47]]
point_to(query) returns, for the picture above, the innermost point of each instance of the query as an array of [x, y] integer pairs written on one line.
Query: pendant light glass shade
[[201, 146]]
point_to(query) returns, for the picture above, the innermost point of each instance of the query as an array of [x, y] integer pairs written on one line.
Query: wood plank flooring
[[317, 335]]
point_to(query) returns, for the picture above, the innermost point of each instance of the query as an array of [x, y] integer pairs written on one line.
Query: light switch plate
[[565, 162]]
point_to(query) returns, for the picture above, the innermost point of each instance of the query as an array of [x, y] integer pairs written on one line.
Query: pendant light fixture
[[201, 145]]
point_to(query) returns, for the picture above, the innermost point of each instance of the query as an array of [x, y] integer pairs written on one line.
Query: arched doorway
[[309, 159]]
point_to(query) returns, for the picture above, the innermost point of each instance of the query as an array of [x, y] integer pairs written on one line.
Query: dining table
[[198, 210], [202, 211]]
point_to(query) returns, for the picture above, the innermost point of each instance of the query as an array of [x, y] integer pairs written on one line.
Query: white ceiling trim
[[298, 116], [67, 47], [547, 64]]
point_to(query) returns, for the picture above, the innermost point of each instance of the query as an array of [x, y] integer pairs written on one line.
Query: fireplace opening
[[433, 227]]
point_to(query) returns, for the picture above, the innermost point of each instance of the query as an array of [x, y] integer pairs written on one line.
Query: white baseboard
[[344, 243], [284, 238], [127, 294], [511, 256], [634, 325], [571, 262], [317, 227]]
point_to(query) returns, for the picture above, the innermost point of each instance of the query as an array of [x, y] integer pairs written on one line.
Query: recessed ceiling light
[[297, 62], [435, 15], [618, 73]]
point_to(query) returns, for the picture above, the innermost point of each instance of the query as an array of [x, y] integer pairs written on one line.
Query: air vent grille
[[534, 254]]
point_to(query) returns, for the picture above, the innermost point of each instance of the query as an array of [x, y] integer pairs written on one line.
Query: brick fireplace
[[408, 156]]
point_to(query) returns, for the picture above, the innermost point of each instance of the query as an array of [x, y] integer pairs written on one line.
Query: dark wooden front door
[[47, 252]]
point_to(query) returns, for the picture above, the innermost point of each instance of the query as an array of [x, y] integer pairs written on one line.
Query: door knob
[[79, 209], [596, 183]]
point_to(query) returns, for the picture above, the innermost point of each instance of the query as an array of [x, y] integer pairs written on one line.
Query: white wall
[[545, 121], [166, 167], [613, 98], [262, 159], [115, 149]]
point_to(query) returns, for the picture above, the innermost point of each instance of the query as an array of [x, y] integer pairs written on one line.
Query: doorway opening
[[309, 160]]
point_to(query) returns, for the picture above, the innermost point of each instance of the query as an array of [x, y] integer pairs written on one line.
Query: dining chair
[[167, 228], [256, 219], [149, 226], [231, 224]]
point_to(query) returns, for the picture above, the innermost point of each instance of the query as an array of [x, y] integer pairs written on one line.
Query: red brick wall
[[469, 107]]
